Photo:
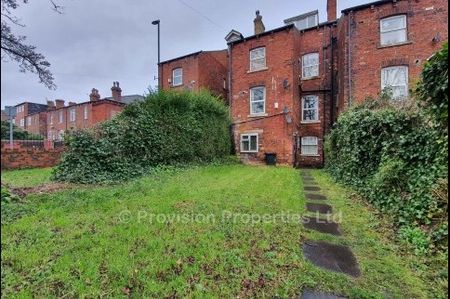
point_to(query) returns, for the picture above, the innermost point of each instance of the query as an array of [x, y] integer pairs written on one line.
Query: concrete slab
[[332, 257], [319, 208], [322, 225], [311, 294]]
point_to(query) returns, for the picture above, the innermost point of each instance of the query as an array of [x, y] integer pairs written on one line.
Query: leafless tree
[[13, 47]]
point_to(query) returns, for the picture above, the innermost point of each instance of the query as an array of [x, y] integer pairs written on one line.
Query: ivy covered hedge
[[168, 128], [395, 155]]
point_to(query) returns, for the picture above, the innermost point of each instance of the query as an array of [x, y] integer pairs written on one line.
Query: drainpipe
[[350, 93], [333, 98]]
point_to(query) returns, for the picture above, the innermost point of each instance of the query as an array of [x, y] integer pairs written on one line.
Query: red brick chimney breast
[[94, 96], [331, 10], [116, 91], [59, 103]]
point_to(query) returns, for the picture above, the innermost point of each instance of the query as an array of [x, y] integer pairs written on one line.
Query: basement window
[[394, 79], [310, 111], [258, 59], [177, 77], [257, 100], [249, 143], [393, 30], [310, 146], [310, 65]]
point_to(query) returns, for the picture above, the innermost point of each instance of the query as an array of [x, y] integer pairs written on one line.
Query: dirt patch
[[331, 257], [319, 208], [47, 188], [321, 225]]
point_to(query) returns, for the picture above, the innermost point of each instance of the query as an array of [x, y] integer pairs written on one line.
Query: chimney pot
[[116, 91], [331, 10], [94, 96], [51, 105], [259, 25]]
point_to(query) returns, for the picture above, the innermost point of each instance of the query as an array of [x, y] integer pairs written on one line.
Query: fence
[[31, 144]]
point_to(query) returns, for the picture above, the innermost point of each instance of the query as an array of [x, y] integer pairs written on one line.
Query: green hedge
[[168, 128], [395, 155]]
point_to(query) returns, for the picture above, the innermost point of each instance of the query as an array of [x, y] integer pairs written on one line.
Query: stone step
[[311, 196], [311, 188], [332, 257], [322, 225], [319, 208]]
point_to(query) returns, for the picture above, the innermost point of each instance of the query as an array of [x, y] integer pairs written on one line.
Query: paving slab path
[[325, 255]]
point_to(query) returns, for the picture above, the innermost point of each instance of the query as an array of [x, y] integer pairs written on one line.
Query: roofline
[[367, 5], [289, 26], [93, 102], [180, 57], [296, 18], [26, 102], [328, 23]]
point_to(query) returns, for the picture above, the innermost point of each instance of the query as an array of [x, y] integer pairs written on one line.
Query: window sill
[[303, 155], [248, 152], [178, 85], [258, 115], [310, 122], [258, 70], [310, 78], [394, 45]]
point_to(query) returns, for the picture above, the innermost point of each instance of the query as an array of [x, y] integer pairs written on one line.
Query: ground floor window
[[310, 146], [249, 143]]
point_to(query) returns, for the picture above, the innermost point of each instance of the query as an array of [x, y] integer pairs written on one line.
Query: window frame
[[252, 60], [22, 122], [179, 76], [310, 66], [405, 29], [85, 112], [61, 116], [249, 136], [407, 80], [72, 116], [251, 101], [310, 145], [315, 108], [28, 120]]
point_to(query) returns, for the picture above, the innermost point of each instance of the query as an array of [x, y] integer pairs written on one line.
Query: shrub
[[168, 128], [396, 156], [17, 132]]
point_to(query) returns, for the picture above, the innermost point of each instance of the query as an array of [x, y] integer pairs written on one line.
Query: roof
[[289, 26], [367, 5], [181, 57], [128, 99], [320, 25], [302, 16], [235, 33]]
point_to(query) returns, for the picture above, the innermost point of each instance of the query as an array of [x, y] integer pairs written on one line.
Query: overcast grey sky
[[97, 42]]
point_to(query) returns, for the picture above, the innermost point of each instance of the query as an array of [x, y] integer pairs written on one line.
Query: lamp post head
[[155, 22]]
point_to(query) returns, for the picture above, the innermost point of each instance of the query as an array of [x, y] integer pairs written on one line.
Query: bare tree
[[13, 46]]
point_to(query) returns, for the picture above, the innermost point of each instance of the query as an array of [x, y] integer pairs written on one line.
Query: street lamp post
[[157, 22]]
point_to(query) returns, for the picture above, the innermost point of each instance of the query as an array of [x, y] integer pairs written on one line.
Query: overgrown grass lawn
[[104, 241]]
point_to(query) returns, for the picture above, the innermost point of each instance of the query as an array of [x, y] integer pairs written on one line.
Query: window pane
[[309, 140], [245, 146], [395, 78], [393, 37], [253, 143], [257, 53], [393, 23], [301, 24], [310, 102], [257, 107], [310, 150], [258, 64]]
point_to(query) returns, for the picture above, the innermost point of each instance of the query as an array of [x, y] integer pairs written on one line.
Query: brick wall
[[275, 134], [29, 158], [207, 69], [425, 19]]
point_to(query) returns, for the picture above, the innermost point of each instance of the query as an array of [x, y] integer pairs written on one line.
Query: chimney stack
[[259, 25], [94, 96], [331, 10], [72, 103], [50, 105], [59, 103], [116, 91]]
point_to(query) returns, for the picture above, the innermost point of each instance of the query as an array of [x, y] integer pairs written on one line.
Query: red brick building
[[286, 86], [31, 117], [203, 69], [387, 42], [78, 116]]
